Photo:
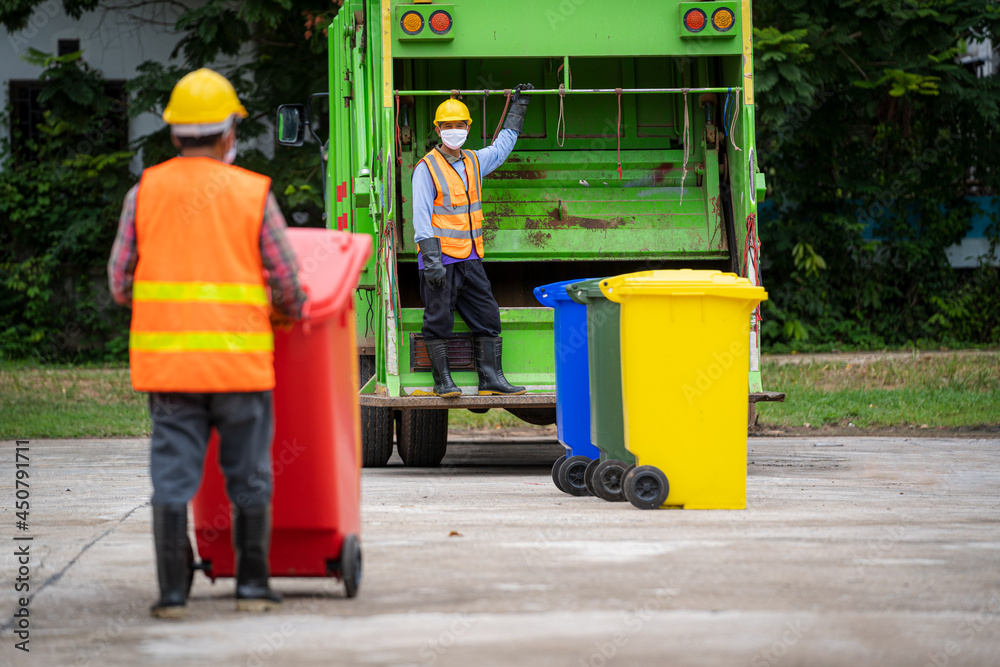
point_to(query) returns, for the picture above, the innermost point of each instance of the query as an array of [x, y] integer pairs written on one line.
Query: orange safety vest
[[200, 309], [457, 216]]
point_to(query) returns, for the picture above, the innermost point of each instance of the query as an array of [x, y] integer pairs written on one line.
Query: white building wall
[[115, 40]]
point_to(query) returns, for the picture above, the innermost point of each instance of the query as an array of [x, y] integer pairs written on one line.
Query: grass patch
[[936, 390], [62, 402], [932, 390], [494, 419]]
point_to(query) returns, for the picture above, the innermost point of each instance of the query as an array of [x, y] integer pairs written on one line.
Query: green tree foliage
[[282, 53], [867, 119], [57, 213], [59, 205]]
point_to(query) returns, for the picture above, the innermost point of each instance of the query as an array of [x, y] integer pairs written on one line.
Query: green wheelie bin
[[604, 476]]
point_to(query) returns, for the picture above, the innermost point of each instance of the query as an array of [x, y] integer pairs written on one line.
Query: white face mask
[[231, 153], [454, 139]]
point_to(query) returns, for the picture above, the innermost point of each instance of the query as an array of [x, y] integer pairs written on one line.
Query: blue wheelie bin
[[572, 388]]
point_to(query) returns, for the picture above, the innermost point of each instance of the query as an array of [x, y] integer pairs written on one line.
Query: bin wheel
[[555, 472], [646, 487], [608, 480], [350, 565], [572, 474], [422, 437], [376, 425], [190, 567], [588, 476]]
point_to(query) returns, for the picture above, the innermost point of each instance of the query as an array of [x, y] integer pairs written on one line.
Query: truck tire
[[422, 437], [376, 425]]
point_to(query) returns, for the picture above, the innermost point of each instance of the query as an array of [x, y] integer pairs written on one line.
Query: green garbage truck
[[637, 153]]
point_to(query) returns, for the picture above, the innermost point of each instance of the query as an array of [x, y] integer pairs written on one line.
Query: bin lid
[[548, 294], [688, 282], [329, 266], [586, 291]]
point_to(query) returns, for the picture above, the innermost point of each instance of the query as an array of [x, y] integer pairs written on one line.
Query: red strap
[[503, 115], [399, 140]]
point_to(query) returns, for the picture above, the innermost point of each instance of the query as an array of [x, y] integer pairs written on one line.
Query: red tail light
[[695, 20], [440, 22]]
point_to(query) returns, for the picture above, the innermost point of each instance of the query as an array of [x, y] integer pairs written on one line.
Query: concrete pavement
[[854, 551]]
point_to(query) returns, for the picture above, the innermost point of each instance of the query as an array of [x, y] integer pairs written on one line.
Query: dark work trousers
[[467, 290], [181, 426]]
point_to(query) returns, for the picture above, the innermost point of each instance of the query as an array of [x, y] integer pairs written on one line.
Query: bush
[[59, 208]]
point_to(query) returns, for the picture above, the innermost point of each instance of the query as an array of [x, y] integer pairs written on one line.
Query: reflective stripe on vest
[[148, 290], [201, 341], [457, 211], [458, 233], [199, 301]]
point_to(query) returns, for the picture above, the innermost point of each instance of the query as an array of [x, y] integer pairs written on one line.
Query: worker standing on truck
[[194, 240], [447, 222]]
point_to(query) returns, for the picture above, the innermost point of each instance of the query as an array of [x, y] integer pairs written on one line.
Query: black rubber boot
[[171, 544], [489, 350], [252, 541], [444, 386]]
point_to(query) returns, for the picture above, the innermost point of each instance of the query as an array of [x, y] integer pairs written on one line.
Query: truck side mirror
[[291, 124]]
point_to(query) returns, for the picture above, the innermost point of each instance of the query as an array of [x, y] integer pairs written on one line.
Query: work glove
[[518, 105], [434, 273]]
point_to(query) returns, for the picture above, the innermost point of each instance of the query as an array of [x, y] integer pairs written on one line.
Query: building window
[[27, 114], [67, 46]]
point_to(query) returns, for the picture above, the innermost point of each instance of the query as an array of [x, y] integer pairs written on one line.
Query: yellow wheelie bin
[[685, 338]]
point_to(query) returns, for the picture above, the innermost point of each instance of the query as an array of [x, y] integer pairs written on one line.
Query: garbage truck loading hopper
[[637, 153]]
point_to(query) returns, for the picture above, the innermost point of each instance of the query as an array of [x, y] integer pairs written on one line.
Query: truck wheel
[[376, 425], [422, 437], [646, 487]]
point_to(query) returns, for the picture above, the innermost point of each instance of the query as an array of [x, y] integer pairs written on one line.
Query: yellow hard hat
[[202, 97], [452, 109]]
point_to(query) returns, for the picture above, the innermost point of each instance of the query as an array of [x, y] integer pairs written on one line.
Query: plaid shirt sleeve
[[287, 296], [124, 253]]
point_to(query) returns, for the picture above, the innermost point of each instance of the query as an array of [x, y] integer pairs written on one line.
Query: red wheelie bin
[[316, 454]]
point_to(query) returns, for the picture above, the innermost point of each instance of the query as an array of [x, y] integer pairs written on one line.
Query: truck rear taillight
[[695, 20], [422, 21], [723, 19], [696, 24], [412, 23], [440, 22]]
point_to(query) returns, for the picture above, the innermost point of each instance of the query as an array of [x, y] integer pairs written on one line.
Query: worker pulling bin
[[572, 387], [316, 450], [604, 477], [685, 361]]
